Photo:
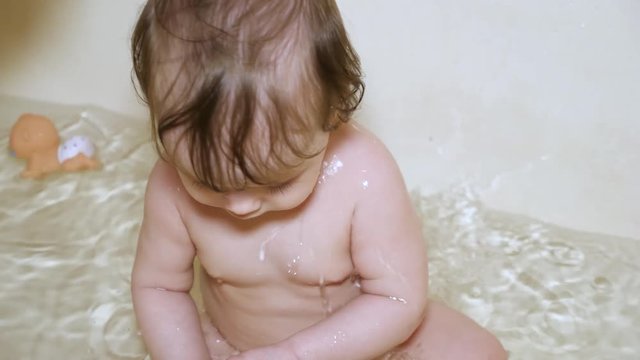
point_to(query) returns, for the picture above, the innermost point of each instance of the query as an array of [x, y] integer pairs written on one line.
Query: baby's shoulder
[[162, 177], [164, 185], [354, 144], [365, 162]]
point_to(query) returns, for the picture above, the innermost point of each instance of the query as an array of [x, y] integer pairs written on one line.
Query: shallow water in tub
[[67, 244]]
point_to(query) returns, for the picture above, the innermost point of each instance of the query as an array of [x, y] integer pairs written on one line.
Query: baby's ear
[[26, 136]]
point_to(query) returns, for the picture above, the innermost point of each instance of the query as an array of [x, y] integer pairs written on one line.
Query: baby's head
[[243, 93]]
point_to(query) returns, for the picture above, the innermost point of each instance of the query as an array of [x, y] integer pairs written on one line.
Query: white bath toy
[[75, 146]]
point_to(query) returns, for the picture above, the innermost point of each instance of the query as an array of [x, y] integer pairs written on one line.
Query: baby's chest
[[308, 252]]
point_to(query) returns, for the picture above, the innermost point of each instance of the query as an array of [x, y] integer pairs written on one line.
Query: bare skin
[[330, 264]]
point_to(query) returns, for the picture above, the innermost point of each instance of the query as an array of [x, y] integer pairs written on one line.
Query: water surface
[[67, 245]]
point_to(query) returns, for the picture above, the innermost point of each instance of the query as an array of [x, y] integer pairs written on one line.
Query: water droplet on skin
[[365, 182], [330, 168], [398, 299], [326, 303], [263, 245], [293, 265], [340, 336], [384, 262]]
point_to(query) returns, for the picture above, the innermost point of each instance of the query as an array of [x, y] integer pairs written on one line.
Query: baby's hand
[[267, 353]]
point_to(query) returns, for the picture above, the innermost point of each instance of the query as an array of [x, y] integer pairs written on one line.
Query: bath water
[[67, 244]]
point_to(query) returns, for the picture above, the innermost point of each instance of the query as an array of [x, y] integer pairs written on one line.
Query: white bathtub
[[505, 117]]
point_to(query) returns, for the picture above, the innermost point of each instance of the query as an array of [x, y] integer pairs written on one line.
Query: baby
[[307, 239]]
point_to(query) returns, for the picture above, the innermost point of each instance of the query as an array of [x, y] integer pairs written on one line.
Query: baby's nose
[[240, 203]]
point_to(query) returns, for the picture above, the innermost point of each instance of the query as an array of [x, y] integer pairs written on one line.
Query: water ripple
[[67, 246]]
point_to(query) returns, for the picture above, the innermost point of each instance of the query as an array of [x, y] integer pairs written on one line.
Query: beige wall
[[533, 104], [69, 51]]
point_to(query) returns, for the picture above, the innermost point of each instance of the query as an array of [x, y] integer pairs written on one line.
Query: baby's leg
[[219, 348], [448, 335]]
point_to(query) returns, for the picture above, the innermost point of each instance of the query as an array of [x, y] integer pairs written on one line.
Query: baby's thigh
[[447, 334], [219, 348]]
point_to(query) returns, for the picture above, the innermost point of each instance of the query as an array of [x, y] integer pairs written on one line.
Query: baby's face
[[286, 192]]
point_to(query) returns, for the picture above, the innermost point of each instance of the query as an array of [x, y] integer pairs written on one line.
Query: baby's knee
[[448, 334], [489, 347]]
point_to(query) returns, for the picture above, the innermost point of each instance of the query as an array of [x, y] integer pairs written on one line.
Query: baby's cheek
[[211, 202], [294, 199], [205, 197]]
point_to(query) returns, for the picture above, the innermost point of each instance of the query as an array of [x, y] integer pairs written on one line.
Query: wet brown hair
[[237, 77]]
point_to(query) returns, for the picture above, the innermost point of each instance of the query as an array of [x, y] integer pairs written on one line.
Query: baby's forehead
[[267, 169], [239, 181], [269, 154]]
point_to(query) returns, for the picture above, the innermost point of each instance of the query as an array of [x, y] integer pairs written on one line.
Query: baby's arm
[[163, 274], [389, 254]]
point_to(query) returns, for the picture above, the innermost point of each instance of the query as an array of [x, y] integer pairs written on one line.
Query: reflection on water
[[67, 243], [547, 292]]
